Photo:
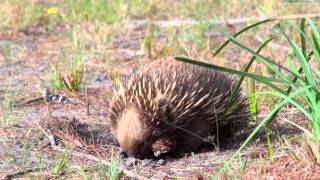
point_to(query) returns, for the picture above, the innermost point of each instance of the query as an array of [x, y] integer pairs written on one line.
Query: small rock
[[122, 155], [45, 142], [61, 99], [147, 162], [19, 143], [54, 97], [161, 162], [267, 178], [130, 161]]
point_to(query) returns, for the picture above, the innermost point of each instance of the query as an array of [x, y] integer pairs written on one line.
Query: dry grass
[[111, 49]]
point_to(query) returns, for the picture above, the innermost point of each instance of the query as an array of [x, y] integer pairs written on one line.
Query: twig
[[36, 99], [90, 157], [20, 173], [28, 101], [231, 22]]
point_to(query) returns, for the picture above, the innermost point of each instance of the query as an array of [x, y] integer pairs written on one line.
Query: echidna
[[169, 107]]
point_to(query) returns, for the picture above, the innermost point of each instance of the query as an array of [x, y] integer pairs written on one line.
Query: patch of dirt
[[80, 128]]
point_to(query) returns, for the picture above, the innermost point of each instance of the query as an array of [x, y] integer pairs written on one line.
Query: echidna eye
[[155, 133]]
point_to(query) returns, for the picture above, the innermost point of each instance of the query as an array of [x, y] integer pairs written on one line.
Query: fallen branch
[[230, 22]]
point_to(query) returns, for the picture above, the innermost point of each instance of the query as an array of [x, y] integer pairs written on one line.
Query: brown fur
[[169, 107]]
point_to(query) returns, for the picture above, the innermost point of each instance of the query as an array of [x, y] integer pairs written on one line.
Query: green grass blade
[[270, 151], [302, 37], [236, 89], [270, 64], [285, 100], [302, 59], [262, 79], [240, 32], [316, 48], [253, 99], [315, 42]]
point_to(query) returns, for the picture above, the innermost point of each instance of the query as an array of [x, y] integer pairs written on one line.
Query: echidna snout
[[170, 107], [138, 137]]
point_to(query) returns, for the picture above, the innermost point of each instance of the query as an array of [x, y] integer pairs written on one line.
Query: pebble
[[45, 142], [61, 99], [54, 98], [147, 162], [161, 162], [130, 161], [122, 155]]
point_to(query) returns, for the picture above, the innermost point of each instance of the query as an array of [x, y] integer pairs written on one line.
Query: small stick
[[28, 101], [20, 173], [90, 157], [231, 22]]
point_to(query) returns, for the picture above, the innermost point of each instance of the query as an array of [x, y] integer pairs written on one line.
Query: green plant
[[116, 79], [75, 65], [242, 164], [56, 82], [83, 174], [74, 69], [63, 160], [8, 52], [302, 92], [252, 98], [26, 156], [270, 149], [9, 113], [193, 38], [98, 10], [29, 12], [40, 163], [111, 171], [148, 41]]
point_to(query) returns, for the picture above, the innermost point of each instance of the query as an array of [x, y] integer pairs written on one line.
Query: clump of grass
[[75, 68], [116, 79], [56, 82], [300, 78], [62, 163], [242, 164], [72, 76], [10, 115], [111, 171], [28, 12], [8, 53], [98, 10], [252, 98], [148, 42], [70, 81], [193, 39], [83, 174]]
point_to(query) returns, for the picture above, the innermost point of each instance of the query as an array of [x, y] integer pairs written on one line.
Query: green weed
[[71, 77], [29, 12], [8, 53], [62, 163], [84, 175], [98, 10], [242, 165], [300, 77], [9, 113], [111, 171]]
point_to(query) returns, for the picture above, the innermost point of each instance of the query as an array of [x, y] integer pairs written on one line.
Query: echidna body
[[169, 107]]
